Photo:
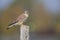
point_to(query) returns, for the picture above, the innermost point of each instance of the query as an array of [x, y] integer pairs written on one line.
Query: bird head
[[26, 13]]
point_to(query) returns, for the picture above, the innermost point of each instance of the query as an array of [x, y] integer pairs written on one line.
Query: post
[[24, 32]]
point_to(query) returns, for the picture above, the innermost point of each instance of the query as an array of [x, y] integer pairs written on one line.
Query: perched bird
[[20, 19]]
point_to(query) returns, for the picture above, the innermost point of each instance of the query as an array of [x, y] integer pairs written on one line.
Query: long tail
[[11, 25]]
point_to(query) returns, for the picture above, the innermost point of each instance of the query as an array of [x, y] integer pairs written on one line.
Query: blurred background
[[44, 19]]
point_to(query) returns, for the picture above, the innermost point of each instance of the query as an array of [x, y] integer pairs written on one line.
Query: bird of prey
[[20, 20]]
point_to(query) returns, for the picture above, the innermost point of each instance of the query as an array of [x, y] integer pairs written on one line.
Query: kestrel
[[20, 19]]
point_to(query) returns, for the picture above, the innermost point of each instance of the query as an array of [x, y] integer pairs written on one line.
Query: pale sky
[[52, 5], [49, 5], [5, 4]]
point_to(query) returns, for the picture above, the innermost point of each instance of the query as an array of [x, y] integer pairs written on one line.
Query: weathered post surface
[[24, 32]]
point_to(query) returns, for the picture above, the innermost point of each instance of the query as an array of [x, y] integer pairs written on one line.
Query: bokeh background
[[44, 17]]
